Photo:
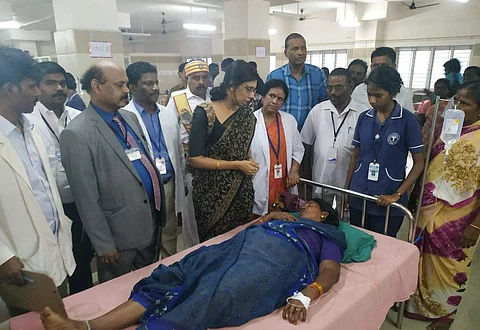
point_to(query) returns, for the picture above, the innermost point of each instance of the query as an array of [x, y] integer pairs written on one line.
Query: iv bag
[[452, 127]]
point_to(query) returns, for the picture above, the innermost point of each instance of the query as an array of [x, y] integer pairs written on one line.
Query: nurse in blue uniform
[[383, 137]]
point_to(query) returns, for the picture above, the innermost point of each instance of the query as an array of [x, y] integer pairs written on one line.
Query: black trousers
[[82, 251]]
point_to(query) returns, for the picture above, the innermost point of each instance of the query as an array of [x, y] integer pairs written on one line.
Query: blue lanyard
[[377, 132], [276, 152]]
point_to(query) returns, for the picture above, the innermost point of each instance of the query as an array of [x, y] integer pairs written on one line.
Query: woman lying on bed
[[233, 282]]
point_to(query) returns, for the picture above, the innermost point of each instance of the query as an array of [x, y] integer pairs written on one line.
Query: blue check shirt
[[303, 94]]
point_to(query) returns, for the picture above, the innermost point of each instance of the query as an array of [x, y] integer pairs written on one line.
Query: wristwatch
[[397, 193]]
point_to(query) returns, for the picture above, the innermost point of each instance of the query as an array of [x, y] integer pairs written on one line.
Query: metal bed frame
[[365, 198]]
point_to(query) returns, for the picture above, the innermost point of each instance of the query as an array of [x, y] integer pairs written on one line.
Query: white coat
[[24, 231], [171, 133], [261, 154]]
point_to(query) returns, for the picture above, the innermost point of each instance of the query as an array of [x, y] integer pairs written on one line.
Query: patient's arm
[[121, 317], [329, 274]]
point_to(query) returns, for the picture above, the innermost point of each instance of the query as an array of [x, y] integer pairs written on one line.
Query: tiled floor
[[408, 324]]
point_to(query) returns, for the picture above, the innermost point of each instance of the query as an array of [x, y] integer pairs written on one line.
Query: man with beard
[[328, 133], [34, 231], [162, 130], [358, 68], [115, 183], [50, 116]]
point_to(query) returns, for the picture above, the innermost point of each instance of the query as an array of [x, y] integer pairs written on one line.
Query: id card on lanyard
[[332, 153], [277, 169], [374, 167]]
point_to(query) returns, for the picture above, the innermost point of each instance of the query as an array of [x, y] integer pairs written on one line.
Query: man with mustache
[[34, 231], [305, 82], [197, 92], [162, 130], [50, 116], [328, 133], [115, 183]]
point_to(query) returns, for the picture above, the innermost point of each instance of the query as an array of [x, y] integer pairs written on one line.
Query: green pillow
[[359, 244]]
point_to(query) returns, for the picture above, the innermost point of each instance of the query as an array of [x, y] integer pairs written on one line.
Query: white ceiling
[[146, 14]]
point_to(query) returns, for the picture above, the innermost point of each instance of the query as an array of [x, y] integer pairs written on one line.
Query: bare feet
[[53, 321], [439, 325]]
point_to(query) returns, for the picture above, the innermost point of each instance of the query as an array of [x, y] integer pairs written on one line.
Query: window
[[421, 67], [328, 58]]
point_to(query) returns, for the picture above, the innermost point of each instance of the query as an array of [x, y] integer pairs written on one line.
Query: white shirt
[[318, 131], [219, 79], [50, 128], [27, 151], [404, 98], [193, 101]]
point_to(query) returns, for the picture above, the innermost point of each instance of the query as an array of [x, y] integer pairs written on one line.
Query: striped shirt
[[305, 93]]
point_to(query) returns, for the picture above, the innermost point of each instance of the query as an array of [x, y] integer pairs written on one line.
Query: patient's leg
[[121, 317]]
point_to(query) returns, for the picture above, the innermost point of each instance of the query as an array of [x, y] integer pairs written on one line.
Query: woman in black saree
[[219, 150]]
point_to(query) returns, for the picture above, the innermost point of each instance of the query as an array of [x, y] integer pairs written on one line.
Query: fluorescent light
[[272, 32], [10, 25], [462, 1], [199, 27], [349, 23]]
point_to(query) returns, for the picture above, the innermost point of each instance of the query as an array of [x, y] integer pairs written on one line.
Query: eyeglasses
[[249, 89]]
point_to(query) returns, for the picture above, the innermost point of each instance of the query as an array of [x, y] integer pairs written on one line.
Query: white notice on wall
[[260, 52], [100, 49]]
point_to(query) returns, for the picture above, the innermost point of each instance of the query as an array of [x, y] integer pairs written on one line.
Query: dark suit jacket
[[107, 190]]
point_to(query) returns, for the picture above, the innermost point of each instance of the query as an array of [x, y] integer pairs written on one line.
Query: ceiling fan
[[300, 15], [164, 23], [413, 6]]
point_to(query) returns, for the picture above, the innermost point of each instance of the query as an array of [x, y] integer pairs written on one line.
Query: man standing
[[50, 116], [214, 70], [358, 68], [328, 133], [73, 99], [224, 65], [34, 231], [183, 82], [116, 186], [383, 56], [305, 82], [162, 129], [184, 102]]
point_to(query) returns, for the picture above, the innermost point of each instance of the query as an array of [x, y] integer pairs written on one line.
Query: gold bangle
[[476, 227], [318, 287], [261, 220]]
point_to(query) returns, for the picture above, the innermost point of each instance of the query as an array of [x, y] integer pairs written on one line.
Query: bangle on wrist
[[317, 288], [399, 194]]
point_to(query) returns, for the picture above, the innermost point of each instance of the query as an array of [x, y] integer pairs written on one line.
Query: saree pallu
[[450, 204], [223, 200], [231, 283]]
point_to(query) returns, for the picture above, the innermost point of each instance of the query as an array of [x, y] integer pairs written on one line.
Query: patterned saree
[[223, 200], [450, 204]]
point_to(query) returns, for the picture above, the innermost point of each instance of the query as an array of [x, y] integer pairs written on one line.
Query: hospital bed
[[360, 300]]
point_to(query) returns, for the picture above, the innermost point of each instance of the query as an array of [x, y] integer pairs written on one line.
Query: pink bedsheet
[[360, 300]]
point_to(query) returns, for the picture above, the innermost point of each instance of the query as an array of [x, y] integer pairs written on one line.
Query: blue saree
[[233, 282]]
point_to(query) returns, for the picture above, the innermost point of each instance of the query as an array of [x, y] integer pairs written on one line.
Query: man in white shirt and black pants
[[50, 116], [328, 133]]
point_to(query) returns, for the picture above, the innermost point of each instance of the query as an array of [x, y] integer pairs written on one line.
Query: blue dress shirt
[[305, 93], [154, 128], [137, 164]]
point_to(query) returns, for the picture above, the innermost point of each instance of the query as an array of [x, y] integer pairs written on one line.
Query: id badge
[[277, 171], [133, 154], [373, 171], [162, 167], [332, 154]]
